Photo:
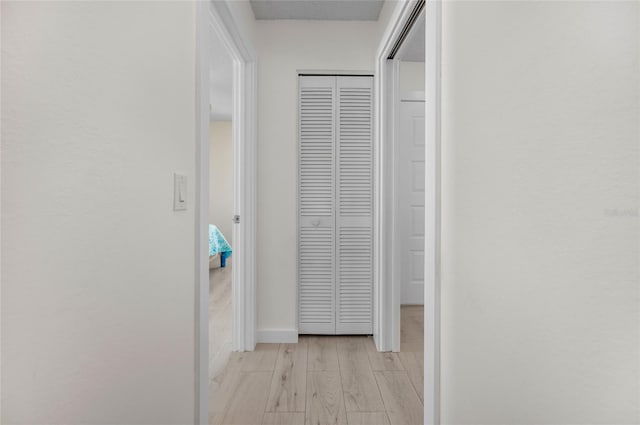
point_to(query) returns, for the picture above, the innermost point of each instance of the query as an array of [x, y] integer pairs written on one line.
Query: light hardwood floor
[[219, 318], [322, 380]]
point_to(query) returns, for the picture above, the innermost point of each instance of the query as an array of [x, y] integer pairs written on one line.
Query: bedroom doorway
[[225, 184], [221, 205]]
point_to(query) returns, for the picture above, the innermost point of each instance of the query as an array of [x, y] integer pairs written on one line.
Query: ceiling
[[325, 10], [220, 81], [412, 49], [221, 68]]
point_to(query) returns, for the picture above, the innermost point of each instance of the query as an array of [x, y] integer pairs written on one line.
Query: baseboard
[[277, 336]]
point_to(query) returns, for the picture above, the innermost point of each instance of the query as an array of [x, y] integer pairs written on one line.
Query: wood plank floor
[[322, 380], [219, 318]]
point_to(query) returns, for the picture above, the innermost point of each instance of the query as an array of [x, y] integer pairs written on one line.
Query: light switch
[[179, 192]]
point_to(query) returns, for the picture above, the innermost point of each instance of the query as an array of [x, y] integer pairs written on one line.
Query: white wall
[[411, 77], [540, 273], [284, 47], [390, 8], [221, 177], [97, 269]]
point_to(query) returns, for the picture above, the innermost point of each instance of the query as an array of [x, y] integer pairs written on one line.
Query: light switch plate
[[179, 192]]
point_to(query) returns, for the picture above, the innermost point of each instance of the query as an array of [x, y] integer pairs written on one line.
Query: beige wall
[[97, 268], [540, 274], [221, 177]]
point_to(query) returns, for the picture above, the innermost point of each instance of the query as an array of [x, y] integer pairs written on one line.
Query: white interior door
[[410, 208]]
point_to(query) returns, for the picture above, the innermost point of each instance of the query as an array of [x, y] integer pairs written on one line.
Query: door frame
[[217, 17], [386, 290]]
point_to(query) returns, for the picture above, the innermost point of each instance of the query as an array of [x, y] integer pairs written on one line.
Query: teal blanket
[[217, 242]]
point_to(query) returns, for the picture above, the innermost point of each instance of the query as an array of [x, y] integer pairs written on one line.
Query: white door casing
[[410, 198], [217, 16]]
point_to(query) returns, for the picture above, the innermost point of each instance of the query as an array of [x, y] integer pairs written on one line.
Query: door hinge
[[236, 219]]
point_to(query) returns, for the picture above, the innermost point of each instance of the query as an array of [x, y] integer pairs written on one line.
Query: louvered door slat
[[354, 224], [316, 238], [335, 238]]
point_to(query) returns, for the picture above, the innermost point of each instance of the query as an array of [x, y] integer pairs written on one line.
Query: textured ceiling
[[328, 10]]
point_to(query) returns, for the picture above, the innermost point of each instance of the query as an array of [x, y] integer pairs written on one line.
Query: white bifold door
[[335, 223]]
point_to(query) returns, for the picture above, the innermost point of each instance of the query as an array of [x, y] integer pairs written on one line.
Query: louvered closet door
[[354, 206], [316, 221]]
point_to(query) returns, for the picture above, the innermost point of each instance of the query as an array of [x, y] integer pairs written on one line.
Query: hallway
[[321, 380]]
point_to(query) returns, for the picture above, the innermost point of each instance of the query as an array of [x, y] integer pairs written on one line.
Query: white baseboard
[[277, 336]]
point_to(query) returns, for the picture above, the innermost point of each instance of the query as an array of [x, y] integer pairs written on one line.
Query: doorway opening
[[232, 296], [386, 323], [221, 205], [409, 188], [408, 194]]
